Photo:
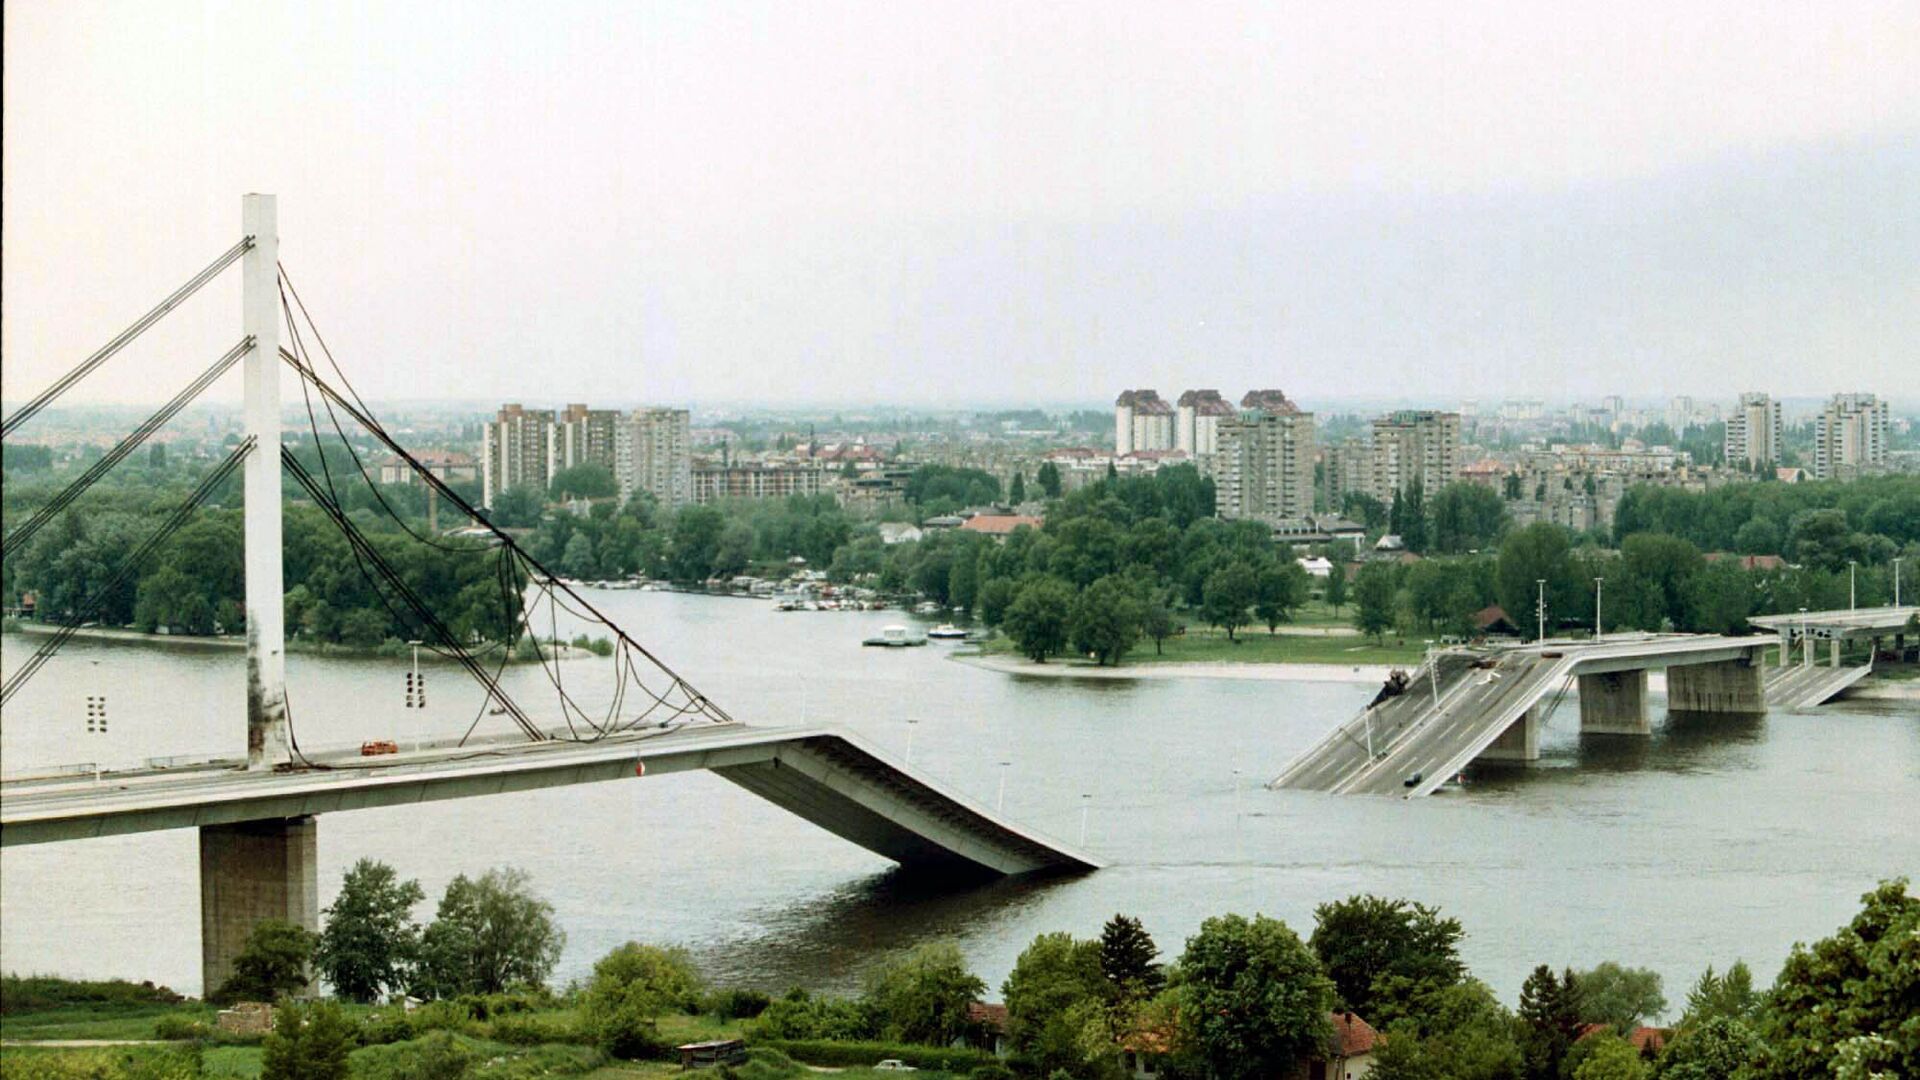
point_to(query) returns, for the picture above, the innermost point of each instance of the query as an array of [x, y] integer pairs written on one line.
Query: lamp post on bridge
[[1597, 583], [1897, 560], [1850, 590], [1540, 608], [1000, 799]]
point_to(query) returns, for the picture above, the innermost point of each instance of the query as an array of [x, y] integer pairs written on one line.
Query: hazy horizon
[[999, 204]]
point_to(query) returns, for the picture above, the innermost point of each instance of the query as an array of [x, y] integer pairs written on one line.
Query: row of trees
[[1821, 525]]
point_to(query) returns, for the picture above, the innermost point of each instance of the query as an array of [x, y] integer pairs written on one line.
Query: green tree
[[1253, 1000], [516, 508], [1049, 479], [631, 987], [1717, 1048], [1157, 622], [1054, 990], [1366, 939], [1731, 996], [370, 942], [1129, 960], [923, 996], [1335, 590], [579, 559], [1038, 618], [584, 481], [992, 600], [1105, 621], [1855, 989], [695, 544], [1549, 1019], [1466, 517], [489, 935], [273, 962], [307, 1043], [1373, 600], [1535, 553], [1017, 491], [1229, 593], [1620, 997], [1278, 590]]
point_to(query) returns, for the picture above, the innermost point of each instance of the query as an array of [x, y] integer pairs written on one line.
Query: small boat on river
[[895, 637]]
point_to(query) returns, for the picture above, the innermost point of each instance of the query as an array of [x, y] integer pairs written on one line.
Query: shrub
[[864, 1054], [627, 1035], [633, 985], [179, 1028], [102, 1063], [738, 1004], [439, 1056], [34, 993], [991, 1072], [525, 1029], [387, 1026]]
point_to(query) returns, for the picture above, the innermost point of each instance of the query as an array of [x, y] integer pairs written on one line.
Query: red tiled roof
[[987, 1015], [1000, 524], [1353, 1036]]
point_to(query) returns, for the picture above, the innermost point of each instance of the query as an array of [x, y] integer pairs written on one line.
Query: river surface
[[1713, 840]]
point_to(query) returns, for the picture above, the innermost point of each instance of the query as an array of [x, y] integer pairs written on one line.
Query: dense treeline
[[1815, 524]]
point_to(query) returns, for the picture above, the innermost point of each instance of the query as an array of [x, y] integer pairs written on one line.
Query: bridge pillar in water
[[1614, 703], [1520, 742], [249, 872], [1728, 686]]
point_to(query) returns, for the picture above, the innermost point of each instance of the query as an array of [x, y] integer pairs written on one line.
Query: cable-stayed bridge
[[256, 814]]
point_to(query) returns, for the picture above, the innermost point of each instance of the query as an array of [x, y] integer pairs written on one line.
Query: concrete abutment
[[249, 872], [1520, 742]]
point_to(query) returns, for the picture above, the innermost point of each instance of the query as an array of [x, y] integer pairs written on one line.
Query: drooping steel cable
[[422, 612], [120, 341], [128, 565], [124, 447]]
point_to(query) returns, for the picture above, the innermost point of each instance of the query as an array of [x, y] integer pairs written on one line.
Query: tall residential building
[[586, 436], [1754, 432], [1850, 436], [653, 452], [1263, 468], [1141, 421], [516, 450], [1196, 425], [1347, 468], [1411, 446]]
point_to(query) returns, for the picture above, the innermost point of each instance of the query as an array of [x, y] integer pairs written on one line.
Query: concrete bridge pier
[[1520, 742], [1729, 686], [1614, 703], [249, 872]]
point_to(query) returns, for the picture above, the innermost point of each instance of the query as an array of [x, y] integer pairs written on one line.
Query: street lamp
[[1540, 607], [1850, 591], [1084, 803], [1597, 583], [1898, 559]]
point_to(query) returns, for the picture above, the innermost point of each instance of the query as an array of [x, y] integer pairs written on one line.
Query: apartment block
[[1850, 437], [1414, 446], [1754, 432], [517, 449], [1263, 469], [653, 453]]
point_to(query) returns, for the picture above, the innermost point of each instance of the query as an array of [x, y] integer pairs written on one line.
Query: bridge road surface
[[824, 775]]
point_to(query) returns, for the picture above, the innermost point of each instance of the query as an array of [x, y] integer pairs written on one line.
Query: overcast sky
[[971, 202]]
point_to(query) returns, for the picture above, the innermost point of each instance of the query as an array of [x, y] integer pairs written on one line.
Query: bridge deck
[[1803, 686], [824, 775], [1452, 713]]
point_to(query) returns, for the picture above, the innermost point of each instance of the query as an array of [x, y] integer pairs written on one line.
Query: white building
[[517, 449], [1196, 427], [1141, 421], [1754, 432], [1850, 436], [1411, 446]]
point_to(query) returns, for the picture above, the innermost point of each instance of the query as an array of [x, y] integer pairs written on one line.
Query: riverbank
[[1366, 674], [390, 648]]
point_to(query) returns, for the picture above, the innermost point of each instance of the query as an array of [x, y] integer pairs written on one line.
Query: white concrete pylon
[[267, 740]]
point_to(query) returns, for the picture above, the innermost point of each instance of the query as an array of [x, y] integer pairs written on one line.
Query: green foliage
[[440, 1055], [922, 997], [1605, 1056], [517, 508], [1373, 597], [1859, 987], [1055, 991], [1717, 1048], [737, 1004], [1229, 592], [1364, 939], [1048, 477], [1539, 552], [583, 481], [1128, 960], [101, 1063], [851, 1054], [1730, 996], [944, 487], [631, 987], [1620, 997], [308, 1042], [1334, 592], [370, 941], [1549, 1019], [798, 1015], [1105, 620], [1466, 517], [1819, 524], [37, 993], [273, 962], [1039, 618], [1253, 999], [489, 935], [1278, 590]]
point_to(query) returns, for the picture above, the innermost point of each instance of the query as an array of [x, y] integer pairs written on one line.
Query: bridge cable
[[124, 447], [424, 613], [697, 702], [126, 568], [123, 338]]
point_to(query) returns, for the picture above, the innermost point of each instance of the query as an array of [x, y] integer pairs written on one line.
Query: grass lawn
[[242, 1062], [97, 1021], [1256, 646]]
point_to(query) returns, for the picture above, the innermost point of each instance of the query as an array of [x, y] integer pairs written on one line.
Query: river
[[1716, 839]]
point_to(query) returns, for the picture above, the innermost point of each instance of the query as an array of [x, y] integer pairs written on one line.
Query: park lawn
[[1256, 646], [240, 1062]]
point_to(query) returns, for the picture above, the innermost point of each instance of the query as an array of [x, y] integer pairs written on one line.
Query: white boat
[[946, 630], [894, 637]]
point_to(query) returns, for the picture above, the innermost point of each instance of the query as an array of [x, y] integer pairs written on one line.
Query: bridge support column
[[249, 872], [1729, 686], [1614, 703], [1806, 650], [1520, 742], [1833, 652], [1786, 648]]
